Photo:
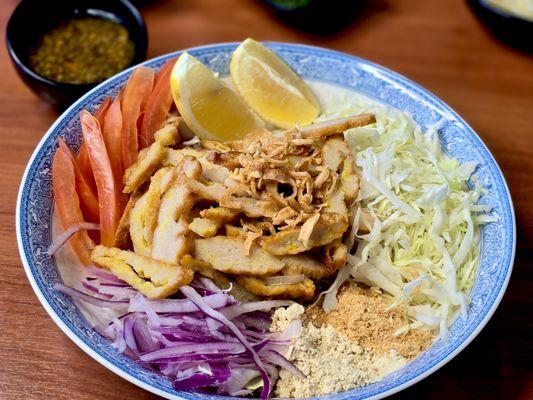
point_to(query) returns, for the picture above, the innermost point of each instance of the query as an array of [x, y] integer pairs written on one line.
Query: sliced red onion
[[94, 289], [76, 294], [190, 293], [239, 379], [215, 375], [284, 279], [233, 311], [108, 277], [68, 233], [293, 330], [184, 348], [276, 358], [194, 341], [143, 339], [216, 300], [129, 338]]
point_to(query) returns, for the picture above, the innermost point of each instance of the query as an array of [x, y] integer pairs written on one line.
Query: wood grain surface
[[437, 43]]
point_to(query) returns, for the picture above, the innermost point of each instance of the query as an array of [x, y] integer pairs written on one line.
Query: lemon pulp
[[270, 87], [210, 108]]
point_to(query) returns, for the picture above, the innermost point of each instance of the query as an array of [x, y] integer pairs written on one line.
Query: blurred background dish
[[321, 17], [509, 20], [73, 45]]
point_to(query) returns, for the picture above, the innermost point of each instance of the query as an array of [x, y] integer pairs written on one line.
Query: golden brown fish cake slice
[[155, 279], [329, 227], [304, 264], [336, 155], [332, 127], [235, 231], [221, 215], [122, 235], [220, 279], [168, 135], [304, 290], [204, 227], [143, 215], [334, 255], [225, 254], [149, 160], [171, 240]]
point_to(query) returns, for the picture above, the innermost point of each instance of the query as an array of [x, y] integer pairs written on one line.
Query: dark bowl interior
[[507, 27], [32, 18]]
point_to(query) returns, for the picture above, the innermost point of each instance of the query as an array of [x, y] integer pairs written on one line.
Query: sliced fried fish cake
[[304, 264], [171, 239], [225, 254], [220, 279], [143, 215], [154, 279], [302, 290], [149, 160], [329, 227], [122, 235]]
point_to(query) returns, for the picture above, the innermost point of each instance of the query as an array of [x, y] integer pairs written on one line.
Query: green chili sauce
[[84, 50]]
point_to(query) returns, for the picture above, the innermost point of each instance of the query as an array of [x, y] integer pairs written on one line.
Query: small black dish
[[32, 18], [321, 17], [509, 28]]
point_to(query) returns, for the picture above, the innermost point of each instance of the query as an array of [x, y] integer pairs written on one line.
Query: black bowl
[[509, 28], [32, 18]]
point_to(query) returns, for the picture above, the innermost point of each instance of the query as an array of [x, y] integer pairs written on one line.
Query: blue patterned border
[[498, 239]]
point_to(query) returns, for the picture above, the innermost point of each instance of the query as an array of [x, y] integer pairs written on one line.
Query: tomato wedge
[[83, 156], [67, 204], [112, 138], [85, 166], [135, 95], [109, 203], [102, 110], [158, 105], [87, 196]]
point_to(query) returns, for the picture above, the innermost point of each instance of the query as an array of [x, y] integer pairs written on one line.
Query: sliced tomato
[[112, 138], [67, 204], [135, 95], [101, 111], [87, 196], [109, 203], [158, 105], [85, 166]]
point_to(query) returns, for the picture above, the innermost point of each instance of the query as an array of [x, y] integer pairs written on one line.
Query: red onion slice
[[67, 234], [276, 358], [190, 293], [234, 311], [76, 294]]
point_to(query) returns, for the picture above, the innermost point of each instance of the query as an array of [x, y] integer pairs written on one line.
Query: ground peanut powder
[[352, 346], [361, 315]]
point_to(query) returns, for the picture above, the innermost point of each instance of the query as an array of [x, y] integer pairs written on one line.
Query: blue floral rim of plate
[[498, 239]]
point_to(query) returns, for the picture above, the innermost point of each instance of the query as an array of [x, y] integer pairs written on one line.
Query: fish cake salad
[[230, 232]]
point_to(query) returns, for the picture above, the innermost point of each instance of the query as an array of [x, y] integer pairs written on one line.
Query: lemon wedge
[[210, 109], [270, 87]]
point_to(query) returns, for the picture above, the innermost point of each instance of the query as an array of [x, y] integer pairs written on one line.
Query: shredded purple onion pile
[[206, 340]]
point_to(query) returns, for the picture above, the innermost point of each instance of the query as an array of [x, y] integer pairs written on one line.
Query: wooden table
[[437, 43]]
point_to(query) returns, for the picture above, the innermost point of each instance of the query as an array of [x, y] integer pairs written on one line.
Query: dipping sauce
[[83, 50]]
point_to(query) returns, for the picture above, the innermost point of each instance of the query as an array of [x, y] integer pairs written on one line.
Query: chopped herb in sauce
[[84, 50]]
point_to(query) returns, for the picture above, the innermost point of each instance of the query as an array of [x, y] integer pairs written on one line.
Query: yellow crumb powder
[[361, 315], [330, 361]]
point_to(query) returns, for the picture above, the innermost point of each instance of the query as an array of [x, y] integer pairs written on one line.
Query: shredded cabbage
[[423, 246]]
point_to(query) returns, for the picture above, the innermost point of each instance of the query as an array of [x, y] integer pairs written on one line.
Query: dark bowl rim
[[501, 13], [141, 46]]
